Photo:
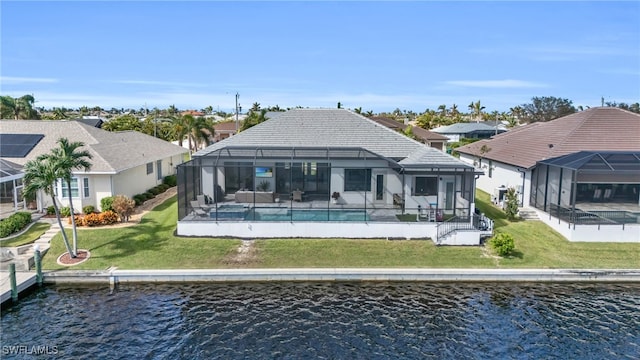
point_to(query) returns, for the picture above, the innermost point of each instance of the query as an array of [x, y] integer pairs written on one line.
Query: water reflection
[[331, 320]]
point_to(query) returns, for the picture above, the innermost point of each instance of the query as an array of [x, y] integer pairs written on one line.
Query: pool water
[[243, 213], [306, 215]]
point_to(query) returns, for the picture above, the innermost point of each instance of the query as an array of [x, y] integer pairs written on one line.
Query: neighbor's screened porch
[[589, 187], [318, 184]]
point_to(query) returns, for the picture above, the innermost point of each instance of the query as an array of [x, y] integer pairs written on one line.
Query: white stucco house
[[326, 173], [126, 163], [598, 146]]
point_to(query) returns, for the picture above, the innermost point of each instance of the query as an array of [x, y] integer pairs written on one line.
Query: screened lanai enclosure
[[311, 184], [11, 199], [589, 187]]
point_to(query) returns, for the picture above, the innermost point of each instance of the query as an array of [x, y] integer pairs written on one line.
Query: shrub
[[51, 210], [105, 203], [502, 243], [79, 220], [65, 211], [108, 217], [139, 199], [92, 219], [154, 191], [89, 209], [511, 204], [14, 223], [123, 206], [170, 180], [149, 195], [164, 187]]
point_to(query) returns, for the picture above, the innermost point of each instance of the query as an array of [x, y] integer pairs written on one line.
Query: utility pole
[[237, 107]]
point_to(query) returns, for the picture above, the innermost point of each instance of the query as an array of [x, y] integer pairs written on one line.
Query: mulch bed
[[66, 259]]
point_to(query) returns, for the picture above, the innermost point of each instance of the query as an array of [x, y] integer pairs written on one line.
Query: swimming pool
[[243, 213], [306, 215]]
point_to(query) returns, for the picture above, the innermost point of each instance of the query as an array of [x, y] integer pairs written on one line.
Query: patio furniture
[[257, 196], [398, 200], [296, 195], [200, 211]]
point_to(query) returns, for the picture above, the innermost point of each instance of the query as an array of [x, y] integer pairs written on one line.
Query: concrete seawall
[[343, 274]]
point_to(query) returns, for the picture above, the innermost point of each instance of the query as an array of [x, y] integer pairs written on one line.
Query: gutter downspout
[[524, 176]]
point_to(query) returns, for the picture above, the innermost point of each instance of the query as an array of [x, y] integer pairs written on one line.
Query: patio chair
[[202, 201], [198, 209], [296, 195]]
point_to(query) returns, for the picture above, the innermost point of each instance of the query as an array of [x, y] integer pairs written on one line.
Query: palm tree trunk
[[64, 234], [73, 221]]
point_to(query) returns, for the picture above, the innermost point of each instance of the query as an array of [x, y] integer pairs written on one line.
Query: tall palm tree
[[18, 108], [66, 159], [476, 110], [41, 174], [197, 130]]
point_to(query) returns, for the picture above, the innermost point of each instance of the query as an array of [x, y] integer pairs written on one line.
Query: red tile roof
[[225, 126], [596, 129]]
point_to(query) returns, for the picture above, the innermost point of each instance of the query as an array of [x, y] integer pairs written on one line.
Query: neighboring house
[[224, 130], [291, 175], [126, 163], [604, 134], [94, 121], [425, 136], [194, 113], [470, 130]]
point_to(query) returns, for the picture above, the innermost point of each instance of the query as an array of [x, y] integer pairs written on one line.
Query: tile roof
[[112, 152], [334, 128], [425, 134], [225, 126], [463, 128], [596, 129], [420, 133]]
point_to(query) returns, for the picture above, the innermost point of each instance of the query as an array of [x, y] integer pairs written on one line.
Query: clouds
[[12, 80], [497, 84]]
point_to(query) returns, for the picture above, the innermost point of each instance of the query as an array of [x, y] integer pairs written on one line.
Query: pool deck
[[115, 276]]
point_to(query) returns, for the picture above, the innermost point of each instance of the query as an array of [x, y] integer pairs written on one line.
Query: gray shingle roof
[[112, 152], [334, 128], [463, 128]]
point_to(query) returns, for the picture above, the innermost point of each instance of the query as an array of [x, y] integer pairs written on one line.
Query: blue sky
[[375, 55]]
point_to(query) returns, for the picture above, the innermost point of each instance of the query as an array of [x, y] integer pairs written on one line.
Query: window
[[149, 168], [357, 179], [490, 168], [425, 186], [85, 187], [75, 192]]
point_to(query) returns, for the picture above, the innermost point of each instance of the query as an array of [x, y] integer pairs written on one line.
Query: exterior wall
[[466, 238], [592, 233], [130, 182], [501, 174], [246, 229]]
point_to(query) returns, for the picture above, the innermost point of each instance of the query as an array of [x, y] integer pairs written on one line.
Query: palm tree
[[476, 110], [18, 108], [66, 159], [41, 174], [196, 129]]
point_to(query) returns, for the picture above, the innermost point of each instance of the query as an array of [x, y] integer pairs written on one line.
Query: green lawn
[[538, 246], [153, 245], [29, 236]]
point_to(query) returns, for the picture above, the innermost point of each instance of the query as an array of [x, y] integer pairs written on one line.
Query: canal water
[[326, 321]]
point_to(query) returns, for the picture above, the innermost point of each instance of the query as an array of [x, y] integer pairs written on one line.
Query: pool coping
[[115, 276]]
